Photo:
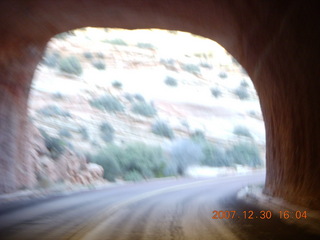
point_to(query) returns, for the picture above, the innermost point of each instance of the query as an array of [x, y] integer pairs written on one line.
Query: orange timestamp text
[[263, 214]]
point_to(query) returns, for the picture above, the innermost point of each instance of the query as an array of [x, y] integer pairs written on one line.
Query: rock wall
[[276, 41]]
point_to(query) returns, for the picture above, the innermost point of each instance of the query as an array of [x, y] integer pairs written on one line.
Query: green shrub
[[191, 68], [106, 132], [58, 95], [117, 41], [216, 92], [214, 156], [206, 65], [144, 109], [53, 110], [223, 75], [88, 55], [64, 132], [170, 81], [51, 59], [161, 128], [100, 55], [244, 83], [129, 97], [139, 97], [184, 153], [244, 153], [117, 84], [198, 136], [108, 103], [56, 146], [242, 131], [167, 62], [109, 159], [100, 65], [84, 132], [70, 65], [132, 162], [145, 45], [242, 93]]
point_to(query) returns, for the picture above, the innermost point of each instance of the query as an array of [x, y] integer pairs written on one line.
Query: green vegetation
[[244, 83], [51, 59], [223, 75], [161, 128], [84, 132], [242, 93], [55, 146], [70, 65], [117, 41], [100, 55], [144, 109], [132, 162], [191, 68], [88, 55], [139, 97], [117, 84], [214, 156], [242, 131], [198, 136], [64, 132], [216, 92], [108, 103], [106, 132], [245, 153], [53, 111], [100, 65], [183, 153], [145, 45], [170, 81]]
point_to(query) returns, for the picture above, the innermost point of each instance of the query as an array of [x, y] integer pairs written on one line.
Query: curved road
[[164, 209]]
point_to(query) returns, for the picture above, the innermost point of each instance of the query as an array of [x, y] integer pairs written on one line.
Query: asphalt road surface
[[166, 209]]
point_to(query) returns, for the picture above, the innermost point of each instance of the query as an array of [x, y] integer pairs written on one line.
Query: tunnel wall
[[277, 42]]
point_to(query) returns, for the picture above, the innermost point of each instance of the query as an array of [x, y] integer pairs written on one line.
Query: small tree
[[170, 81], [216, 92], [242, 92], [100, 65], [214, 156]]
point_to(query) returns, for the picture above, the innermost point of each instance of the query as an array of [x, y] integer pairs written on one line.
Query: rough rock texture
[[276, 41]]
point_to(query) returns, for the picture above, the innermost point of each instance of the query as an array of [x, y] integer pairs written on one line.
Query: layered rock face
[[276, 41]]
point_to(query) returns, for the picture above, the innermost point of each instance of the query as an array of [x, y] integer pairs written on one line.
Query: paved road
[[169, 209]]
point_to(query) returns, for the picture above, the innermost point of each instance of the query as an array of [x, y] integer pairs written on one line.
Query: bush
[[139, 97], [170, 81], [100, 55], [244, 83], [223, 75], [70, 65], [184, 153], [161, 128], [214, 156], [144, 109], [191, 68], [216, 92], [117, 41], [64, 132], [84, 132], [58, 95], [244, 153], [132, 162], [242, 131], [198, 136], [109, 159], [133, 176], [88, 55], [52, 111], [106, 132], [117, 84], [206, 65], [108, 103], [56, 146], [242, 93], [51, 59], [145, 45], [100, 65]]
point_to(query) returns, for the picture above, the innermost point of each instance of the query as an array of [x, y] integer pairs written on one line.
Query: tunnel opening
[[122, 96]]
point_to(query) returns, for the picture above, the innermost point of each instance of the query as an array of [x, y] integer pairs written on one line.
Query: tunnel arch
[[276, 42]]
